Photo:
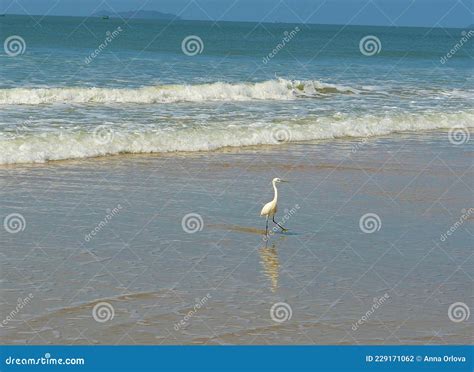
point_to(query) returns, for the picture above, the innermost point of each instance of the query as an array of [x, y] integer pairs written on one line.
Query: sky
[[426, 13]]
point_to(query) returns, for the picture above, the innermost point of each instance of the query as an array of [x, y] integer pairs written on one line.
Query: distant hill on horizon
[[142, 14]]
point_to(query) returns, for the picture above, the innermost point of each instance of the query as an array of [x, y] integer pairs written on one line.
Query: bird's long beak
[[284, 181]]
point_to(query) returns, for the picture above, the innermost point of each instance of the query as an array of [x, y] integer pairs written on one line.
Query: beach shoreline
[[356, 143], [113, 230]]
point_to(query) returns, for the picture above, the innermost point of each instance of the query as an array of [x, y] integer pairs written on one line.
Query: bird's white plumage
[[269, 210], [271, 207]]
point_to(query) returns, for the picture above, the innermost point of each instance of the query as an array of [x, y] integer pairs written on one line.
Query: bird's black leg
[[281, 227], [266, 228]]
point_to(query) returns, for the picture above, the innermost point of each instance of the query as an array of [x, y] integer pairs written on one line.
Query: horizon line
[[232, 21]]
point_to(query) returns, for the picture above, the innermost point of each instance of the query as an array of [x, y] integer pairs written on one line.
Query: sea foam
[[112, 140], [279, 89]]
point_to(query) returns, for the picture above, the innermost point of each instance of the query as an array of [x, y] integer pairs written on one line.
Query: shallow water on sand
[[218, 284]]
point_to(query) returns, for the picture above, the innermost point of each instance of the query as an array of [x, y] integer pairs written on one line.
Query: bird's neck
[[275, 197]]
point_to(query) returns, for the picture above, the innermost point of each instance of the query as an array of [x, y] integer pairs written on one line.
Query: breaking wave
[[280, 89], [110, 140]]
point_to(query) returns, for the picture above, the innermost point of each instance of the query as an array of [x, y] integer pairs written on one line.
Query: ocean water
[[141, 93], [92, 87], [329, 271]]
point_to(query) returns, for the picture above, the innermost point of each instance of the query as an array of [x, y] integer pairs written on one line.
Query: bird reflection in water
[[271, 265]]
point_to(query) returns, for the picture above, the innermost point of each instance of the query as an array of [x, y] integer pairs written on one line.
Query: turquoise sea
[[77, 88], [164, 244]]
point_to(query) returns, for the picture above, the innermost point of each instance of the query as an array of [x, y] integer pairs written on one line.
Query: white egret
[[270, 209]]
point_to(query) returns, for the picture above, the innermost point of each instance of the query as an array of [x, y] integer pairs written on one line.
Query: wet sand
[[111, 230]]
